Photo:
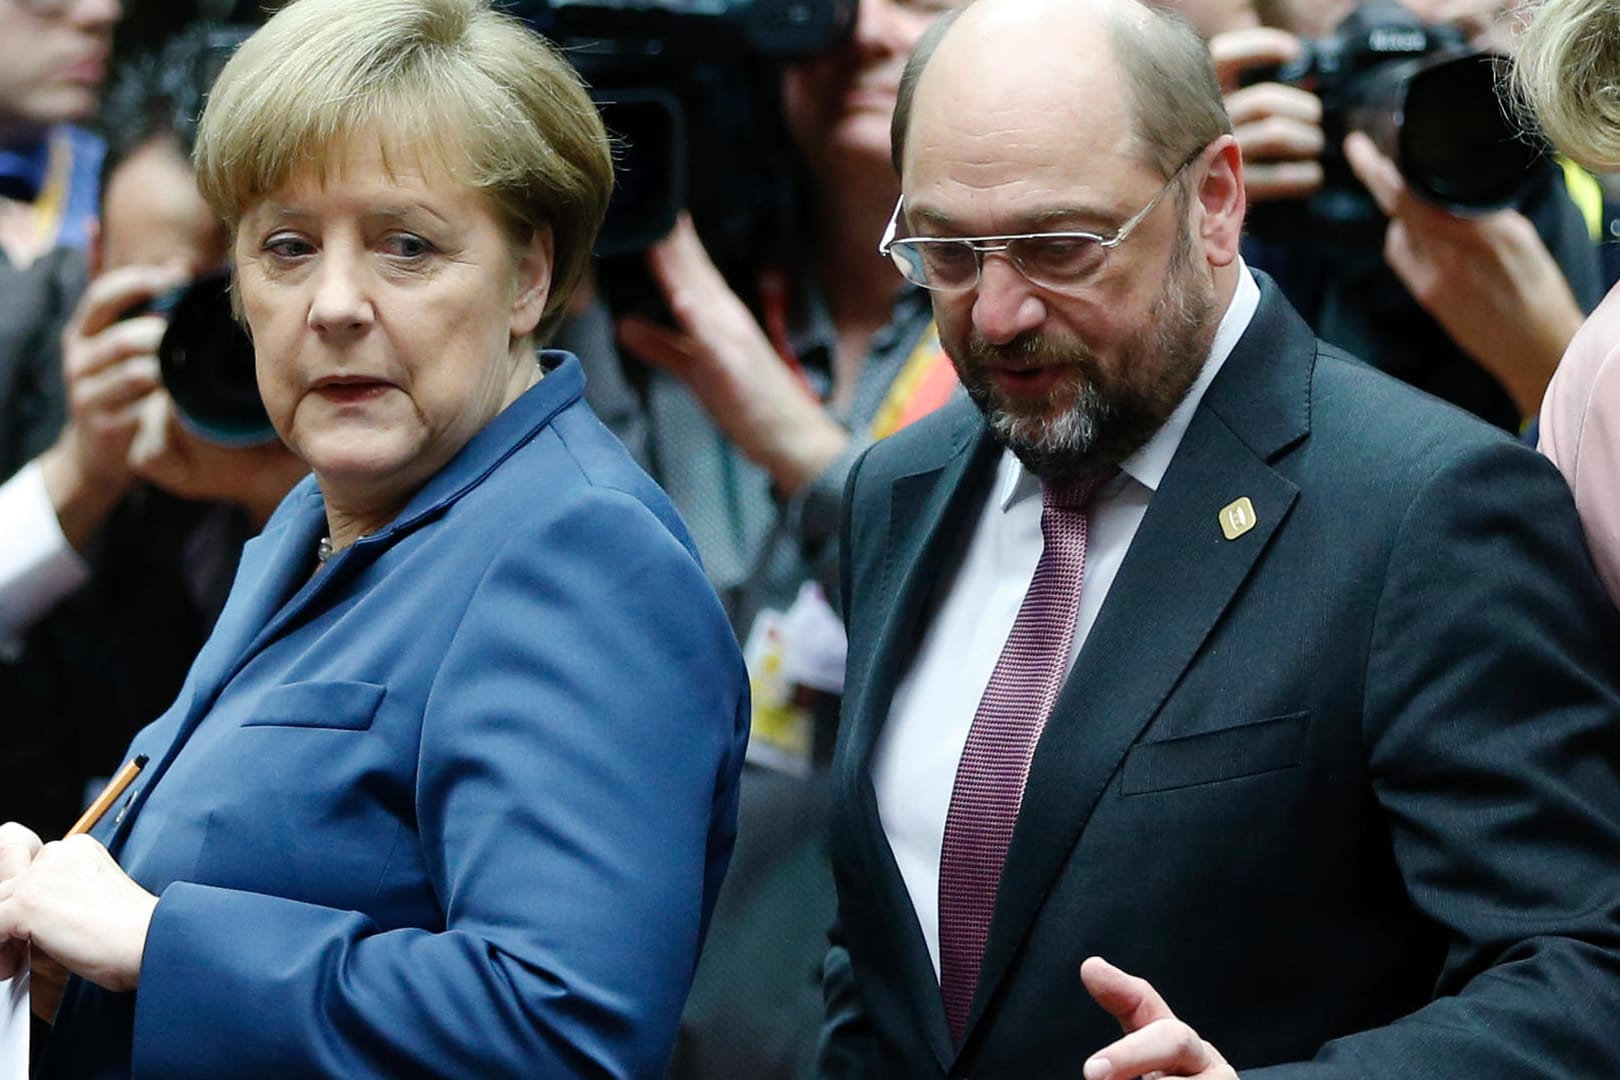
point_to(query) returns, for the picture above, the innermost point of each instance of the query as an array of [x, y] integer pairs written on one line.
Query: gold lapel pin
[[1237, 518]]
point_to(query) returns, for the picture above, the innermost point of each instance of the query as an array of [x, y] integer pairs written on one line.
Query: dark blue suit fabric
[[456, 806]]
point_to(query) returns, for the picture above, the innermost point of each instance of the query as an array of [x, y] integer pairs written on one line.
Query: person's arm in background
[[56, 503], [723, 355], [1490, 281]]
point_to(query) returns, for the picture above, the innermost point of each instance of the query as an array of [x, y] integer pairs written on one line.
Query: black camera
[[688, 90], [206, 360], [1429, 102]]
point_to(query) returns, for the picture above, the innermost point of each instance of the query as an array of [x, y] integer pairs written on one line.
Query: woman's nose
[[340, 304]]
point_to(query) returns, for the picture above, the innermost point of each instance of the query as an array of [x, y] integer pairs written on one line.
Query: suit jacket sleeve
[[582, 734], [1493, 746]]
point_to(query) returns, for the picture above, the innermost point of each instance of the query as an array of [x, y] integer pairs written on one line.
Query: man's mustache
[[1026, 351]]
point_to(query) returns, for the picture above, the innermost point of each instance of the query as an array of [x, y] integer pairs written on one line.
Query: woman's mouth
[[350, 389]]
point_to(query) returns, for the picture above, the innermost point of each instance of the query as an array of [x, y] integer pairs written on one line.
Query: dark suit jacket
[[1346, 789]]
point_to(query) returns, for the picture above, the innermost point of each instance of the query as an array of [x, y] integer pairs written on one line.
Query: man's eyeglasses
[[1052, 260]]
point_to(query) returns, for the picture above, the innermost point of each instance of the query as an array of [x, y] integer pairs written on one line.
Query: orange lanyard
[[924, 384]]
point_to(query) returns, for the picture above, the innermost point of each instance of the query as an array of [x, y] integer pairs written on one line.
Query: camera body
[[688, 89], [1429, 102]]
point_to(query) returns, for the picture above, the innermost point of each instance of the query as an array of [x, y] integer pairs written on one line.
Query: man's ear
[[534, 265], [1221, 201]]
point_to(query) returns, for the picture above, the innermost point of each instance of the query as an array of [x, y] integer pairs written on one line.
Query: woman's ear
[[534, 264]]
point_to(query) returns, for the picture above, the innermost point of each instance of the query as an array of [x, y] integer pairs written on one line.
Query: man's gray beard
[[1111, 417]]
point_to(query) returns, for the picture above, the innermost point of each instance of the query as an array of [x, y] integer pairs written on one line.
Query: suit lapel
[[271, 564], [1177, 580], [931, 515]]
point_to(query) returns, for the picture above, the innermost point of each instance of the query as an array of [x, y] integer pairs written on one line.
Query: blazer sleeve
[[576, 801], [1493, 744]]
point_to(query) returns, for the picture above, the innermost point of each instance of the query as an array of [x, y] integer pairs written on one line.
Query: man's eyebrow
[[1052, 219]]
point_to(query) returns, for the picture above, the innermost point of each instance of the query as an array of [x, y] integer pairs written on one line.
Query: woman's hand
[[74, 902], [725, 358], [18, 846]]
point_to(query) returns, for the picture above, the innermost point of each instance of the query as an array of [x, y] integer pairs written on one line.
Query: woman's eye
[[407, 246], [286, 247]]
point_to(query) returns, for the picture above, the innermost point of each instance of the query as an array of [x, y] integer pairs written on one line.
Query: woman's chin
[[358, 472]]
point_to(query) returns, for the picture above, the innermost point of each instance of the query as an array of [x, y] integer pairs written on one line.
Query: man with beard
[[1203, 682]]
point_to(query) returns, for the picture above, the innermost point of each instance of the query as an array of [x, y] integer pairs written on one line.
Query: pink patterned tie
[[995, 763]]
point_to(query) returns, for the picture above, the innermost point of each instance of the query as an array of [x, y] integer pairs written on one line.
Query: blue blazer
[[458, 805]]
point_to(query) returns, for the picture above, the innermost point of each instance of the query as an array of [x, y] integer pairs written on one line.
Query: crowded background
[[737, 331]]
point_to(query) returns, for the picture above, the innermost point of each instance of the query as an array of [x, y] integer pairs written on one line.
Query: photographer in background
[[1475, 309], [108, 584], [53, 55], [751, 407]]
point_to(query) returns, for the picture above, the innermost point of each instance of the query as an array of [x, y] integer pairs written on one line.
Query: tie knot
[[1073, 495]]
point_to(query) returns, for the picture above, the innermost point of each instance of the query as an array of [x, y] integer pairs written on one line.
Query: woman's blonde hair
[[477, 91], [1567, 70]]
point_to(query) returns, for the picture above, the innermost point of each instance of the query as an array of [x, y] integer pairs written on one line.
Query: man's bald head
[[1078, 55]]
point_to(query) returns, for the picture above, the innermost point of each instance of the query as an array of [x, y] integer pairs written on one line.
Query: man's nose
[[95, 14], [340, 304], [1006, 305], [877, 27]]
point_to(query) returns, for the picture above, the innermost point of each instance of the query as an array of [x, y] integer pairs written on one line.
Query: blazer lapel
[[1177, 580], [270, 563]]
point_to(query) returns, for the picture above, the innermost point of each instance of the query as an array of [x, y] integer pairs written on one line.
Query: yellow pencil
[[108, 796]]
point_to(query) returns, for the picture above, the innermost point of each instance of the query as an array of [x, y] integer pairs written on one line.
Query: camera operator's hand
[[166, 454], [1278, 127], [727, 360], [109, 363], [1489, 281]]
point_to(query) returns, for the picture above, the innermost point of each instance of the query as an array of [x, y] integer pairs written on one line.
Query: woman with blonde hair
[[1567, 69], [452, 786]]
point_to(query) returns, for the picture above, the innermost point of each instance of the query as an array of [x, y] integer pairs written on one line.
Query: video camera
[[688, 89], [1429, 102]]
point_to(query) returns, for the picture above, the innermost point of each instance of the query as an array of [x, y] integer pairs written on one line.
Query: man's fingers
[[1283, 180], [112, 295], [1128, 999], [1280, 132], [1266, 100], [108, 395], [1279, 139], [1238, 51], [1164, 1046], [1377, 173], [653, 343], [87, 354]]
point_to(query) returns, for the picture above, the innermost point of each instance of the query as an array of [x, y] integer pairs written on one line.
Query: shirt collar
[[23, 168], [1147, 466]]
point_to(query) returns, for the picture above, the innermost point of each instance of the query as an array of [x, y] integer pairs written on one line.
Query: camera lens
[[1458, 146], [207, 364]]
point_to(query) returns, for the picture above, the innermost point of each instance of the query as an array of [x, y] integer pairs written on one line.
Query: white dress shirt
[[915, 761], [38, 567]]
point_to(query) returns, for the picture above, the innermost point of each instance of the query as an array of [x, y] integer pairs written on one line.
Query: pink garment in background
[[1580, 432]]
